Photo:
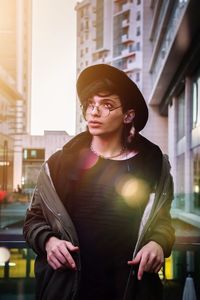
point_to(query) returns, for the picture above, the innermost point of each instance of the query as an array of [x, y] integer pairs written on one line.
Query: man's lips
[[94, 123]]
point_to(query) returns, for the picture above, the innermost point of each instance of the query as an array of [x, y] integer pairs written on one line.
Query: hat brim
[[127, 87]]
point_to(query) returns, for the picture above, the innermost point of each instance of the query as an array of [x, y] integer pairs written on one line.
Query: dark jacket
[[47, 216]]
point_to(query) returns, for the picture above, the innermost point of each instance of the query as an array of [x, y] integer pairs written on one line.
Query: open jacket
[[47, 216]]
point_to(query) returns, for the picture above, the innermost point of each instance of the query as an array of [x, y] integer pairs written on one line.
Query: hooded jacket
[[47, 216]]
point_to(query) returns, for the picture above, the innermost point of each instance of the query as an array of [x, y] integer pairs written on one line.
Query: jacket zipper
[[55, 214]]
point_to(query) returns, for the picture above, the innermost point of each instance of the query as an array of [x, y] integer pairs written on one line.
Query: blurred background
[[43, 47]]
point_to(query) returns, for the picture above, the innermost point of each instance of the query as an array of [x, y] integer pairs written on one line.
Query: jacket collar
[[81, 140]]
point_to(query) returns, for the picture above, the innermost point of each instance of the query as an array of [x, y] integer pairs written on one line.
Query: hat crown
[[124, 84]]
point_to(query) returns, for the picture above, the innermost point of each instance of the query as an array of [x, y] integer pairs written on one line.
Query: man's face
[[104, 114]]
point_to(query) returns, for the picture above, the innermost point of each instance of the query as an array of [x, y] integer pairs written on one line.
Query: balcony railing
[[17, 274], [125, 23], [126, 38]]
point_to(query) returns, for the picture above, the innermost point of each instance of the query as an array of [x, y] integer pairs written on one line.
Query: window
[[130, 75], [196, 179], [181, 116], [180, 197], [138, 16], [86, 25], [137, 46], [196, 102], [81, 39], [30, 154], [138, 2], [99, 23], [137, 77], [138, 31]]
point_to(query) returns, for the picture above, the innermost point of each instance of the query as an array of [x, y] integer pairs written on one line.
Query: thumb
[[136, 260], [71, 247]]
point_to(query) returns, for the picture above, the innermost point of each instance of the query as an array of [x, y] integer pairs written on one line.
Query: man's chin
[[95, 131]]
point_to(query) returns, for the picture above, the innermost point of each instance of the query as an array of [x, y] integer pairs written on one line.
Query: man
[[99, 218]]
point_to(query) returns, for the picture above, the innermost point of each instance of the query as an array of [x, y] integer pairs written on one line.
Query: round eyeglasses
[[103, 109]]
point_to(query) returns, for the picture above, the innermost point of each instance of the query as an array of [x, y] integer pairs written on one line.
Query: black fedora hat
[[125, 85]]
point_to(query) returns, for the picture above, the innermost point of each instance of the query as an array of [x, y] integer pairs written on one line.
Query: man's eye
[[108, 105], [91, 105]]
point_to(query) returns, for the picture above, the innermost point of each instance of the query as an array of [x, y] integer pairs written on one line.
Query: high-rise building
[[109, 32], [157, 43], [14, 84], [171, 85]]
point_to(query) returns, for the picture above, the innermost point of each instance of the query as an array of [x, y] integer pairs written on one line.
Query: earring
[[131, 134], [126, 120]]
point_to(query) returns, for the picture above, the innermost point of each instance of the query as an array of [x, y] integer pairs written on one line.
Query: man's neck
[[107, 145]]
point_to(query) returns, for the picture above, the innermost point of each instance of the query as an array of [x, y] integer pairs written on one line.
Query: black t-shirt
[[106, 205]]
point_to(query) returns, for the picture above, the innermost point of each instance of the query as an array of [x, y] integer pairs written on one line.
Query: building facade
[[15, 29], [171, 84], [109, 32], [37, 149]]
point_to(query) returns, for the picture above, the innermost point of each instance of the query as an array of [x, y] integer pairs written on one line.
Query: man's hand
[[150, 259], [58, 255]]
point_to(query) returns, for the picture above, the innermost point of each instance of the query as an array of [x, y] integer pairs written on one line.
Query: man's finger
[[142, 265], [157, 269], [52, 265], [60, 256], [70, 260], [55, 262]]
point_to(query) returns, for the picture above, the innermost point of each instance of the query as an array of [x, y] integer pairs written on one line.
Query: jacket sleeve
[[36, 228], [161, 230]]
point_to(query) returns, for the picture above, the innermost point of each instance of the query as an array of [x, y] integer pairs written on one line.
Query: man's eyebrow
[[102, 99], [107, 98]]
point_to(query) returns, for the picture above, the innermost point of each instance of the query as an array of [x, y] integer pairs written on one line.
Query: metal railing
[[184, 261], [17, 274]]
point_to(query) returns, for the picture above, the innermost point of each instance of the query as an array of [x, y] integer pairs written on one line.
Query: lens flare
[[4, 255], [87, 160], [134, 191]]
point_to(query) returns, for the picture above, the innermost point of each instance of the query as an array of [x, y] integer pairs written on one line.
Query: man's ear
[[129, 116]]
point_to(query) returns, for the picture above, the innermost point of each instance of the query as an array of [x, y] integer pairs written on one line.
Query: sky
[[53, 84]]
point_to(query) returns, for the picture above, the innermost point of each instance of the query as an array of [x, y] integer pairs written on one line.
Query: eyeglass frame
[[97, 106]]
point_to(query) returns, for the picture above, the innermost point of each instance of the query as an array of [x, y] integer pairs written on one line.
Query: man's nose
[[95, 110]]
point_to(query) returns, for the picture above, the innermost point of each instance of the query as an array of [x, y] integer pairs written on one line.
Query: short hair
[[107, 86]]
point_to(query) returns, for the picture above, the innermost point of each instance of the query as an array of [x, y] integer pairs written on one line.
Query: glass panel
[[180, 197], [168, 37], [99, 23], [196, 102], [181, 117], [196, 180], [33, 154], [6, 165]]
